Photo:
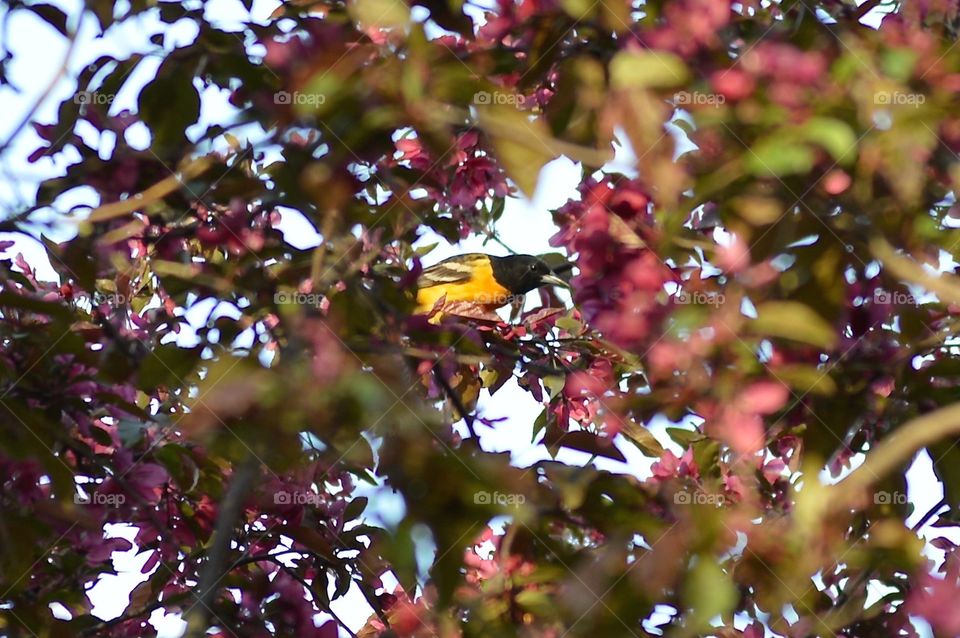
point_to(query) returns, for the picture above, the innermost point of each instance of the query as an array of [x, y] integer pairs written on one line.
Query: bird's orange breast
[[481, 288]]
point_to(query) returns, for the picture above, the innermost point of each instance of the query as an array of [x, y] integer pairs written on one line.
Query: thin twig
[[274, 558], [457, 403], [865, 8], [54, 81], [930, 513]]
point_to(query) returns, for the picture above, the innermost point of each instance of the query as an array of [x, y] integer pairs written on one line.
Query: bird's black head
[[522, 273]]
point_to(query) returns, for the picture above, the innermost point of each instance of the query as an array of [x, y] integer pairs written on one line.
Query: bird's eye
[[533, 266]]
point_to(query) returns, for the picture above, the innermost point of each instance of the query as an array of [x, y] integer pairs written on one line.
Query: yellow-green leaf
[[647, 70], [793, 320], [380, 13], [834, 135], [643, 438], [806, 379], [520, 143], [708, 593], [779, 155]]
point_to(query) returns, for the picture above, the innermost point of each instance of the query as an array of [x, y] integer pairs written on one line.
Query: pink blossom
[[763, 397], [669, 466], [935, 600], [742, 431], [883, 386], [836, 181], [733, 84], [734, 256]]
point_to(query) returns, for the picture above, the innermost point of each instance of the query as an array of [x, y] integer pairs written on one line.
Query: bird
[[485, 280]]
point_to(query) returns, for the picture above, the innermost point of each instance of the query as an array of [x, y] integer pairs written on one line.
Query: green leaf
[[180, 464], [537, 602], [554, 384], [569, 324], [684, 438], [539, 424], [168, 365], [946, 464], [380, 13], [898, 63], [422, 251], [585, 442], [793, 320], [521, 143], [806, 379], [706, 454], [708, 593], [489, 376], [31, 304], [778, 155], [647, 69], [616, 15], [355, 508], [640, 435], [169, 104], [578, 9], [834, 135]]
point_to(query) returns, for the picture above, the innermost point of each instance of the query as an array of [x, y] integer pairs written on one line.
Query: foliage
[[780, 291]]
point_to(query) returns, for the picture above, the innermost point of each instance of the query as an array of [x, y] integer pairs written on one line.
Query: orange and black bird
[[482, 279]]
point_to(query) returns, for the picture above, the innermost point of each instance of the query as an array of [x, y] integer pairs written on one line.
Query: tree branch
[[865, 8], [896, 450], [54, 81], [214, 568]]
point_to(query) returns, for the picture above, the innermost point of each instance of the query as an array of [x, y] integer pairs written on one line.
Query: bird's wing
[[454, 270]]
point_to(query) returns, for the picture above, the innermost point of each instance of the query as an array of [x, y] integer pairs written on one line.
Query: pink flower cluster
[[610, 230], [459, 180]]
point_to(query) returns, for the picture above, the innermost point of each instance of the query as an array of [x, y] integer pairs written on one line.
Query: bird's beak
[[553, 279]]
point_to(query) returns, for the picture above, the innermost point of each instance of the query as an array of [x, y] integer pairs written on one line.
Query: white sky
[[525, 227]]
